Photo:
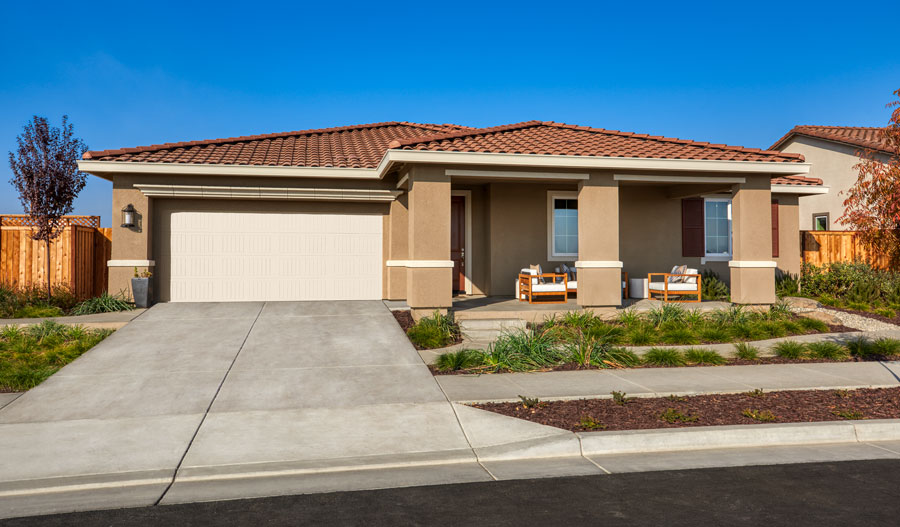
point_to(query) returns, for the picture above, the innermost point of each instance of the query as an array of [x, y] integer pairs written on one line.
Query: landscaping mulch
[[867, 314], [799, 406]]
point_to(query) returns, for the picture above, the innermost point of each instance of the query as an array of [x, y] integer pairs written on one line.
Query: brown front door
[[458, 242]]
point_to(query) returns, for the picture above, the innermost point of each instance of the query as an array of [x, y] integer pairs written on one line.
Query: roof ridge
[[396, 143], [815, 130], [707, 144], [91, 154]]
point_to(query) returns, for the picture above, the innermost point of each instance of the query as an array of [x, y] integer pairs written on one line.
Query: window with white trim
[[563, 225], [717, 226]]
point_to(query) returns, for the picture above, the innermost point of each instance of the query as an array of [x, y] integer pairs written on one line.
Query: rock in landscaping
[[797, 302], [827, 318]]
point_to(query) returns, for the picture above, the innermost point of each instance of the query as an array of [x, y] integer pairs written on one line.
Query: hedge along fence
[[825, 247], [77, 257]]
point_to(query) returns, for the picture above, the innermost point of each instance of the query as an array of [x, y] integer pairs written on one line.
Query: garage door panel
[[241, 256]]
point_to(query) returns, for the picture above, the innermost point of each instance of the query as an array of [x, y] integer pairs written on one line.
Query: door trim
[[470, 252]]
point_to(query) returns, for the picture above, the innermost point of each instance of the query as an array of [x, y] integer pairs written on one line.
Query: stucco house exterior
[[832, 152], [417, 212]]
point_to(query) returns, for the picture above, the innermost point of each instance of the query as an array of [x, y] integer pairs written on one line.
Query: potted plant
[[140, 288]]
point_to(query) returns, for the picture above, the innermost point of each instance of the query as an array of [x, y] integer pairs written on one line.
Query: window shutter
[[774, 228], [692, 242]]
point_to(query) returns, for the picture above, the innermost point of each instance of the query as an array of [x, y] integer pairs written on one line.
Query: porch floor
[[501, 307]]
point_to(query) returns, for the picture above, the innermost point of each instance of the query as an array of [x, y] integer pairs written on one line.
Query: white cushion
[[573, 284], [661, 286], [547, 288], [691, 279]]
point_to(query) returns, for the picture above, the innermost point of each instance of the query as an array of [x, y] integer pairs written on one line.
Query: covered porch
[[467, 232]]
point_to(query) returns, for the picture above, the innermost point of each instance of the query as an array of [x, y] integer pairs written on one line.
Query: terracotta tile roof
[[796, 180], [550, 138], [360, 146], [861, 136]]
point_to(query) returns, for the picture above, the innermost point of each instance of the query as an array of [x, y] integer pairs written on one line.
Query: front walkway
[[656, 382]]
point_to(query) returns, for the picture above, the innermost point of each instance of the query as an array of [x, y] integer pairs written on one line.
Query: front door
[[458, 242]]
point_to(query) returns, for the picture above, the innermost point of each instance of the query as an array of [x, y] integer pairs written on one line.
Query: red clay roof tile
[[862, 136]]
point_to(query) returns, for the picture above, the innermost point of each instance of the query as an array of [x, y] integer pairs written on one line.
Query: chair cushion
[[690, 279], [547, 288], [661, 286], [537, 270], [573, 285]]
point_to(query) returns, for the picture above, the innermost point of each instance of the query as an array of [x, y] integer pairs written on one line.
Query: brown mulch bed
[[875, 316], [800, 406]]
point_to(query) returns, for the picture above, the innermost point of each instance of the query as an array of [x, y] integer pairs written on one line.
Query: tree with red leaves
[[872, 206], [45, 172]]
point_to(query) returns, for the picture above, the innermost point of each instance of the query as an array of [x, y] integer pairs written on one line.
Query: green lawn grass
[[28, 356]]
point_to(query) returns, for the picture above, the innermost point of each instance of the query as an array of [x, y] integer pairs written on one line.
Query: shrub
[[524, 350], [589, 423], [664, 357], [620, 398], [886, 346], [851, 415], [886, 312], [605, 333], [104, 303], [531, 402], [714, 334], [789, 349], [672, 416], [879, 349], [458, 360], [770, 328], [641, 335], [435, 331], [827, 350], [578, 319], [37, 312], [763, 416], [581, 350], [746, 351], [678, 336], [712, 287], [666, 313], [779, 311], [812, 325], [616, 358], [733, 315], [629, 317], [865, 291], [703, 356], [786, 284], [858, 306]]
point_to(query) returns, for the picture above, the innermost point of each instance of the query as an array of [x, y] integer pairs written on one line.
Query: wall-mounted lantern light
[[128, 216]]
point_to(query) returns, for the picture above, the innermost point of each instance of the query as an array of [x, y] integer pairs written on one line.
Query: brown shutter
[[774, 228], [692, 243]]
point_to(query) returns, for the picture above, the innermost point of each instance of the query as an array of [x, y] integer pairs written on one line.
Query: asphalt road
[[845, 494]]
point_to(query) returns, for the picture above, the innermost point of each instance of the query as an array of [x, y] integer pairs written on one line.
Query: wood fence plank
[[825, 247]]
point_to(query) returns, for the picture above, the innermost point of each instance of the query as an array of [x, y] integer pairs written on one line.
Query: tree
[[45, 172], [872, 206]]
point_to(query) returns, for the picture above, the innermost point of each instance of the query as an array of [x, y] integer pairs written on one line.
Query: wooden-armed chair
[[680, 283]]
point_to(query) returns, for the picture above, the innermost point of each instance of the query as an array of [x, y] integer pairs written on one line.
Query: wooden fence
[[77, 257], [824, 247]]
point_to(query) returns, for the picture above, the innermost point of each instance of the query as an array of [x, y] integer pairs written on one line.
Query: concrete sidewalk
[[655, 382], [114, 320]]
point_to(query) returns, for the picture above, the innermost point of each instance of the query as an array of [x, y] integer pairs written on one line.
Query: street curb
[[737, 436]]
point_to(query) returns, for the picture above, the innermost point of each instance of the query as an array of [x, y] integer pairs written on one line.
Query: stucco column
[[397, 248], [752, 267], [429, 269], [599, 268], [131, 247]]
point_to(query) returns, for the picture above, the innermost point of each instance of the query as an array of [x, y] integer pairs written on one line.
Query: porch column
[[397, 248], [429, 269], [131, 246], [752, 267], [599, 268]]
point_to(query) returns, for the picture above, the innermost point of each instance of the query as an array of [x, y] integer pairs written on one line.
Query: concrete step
[[489, 329]]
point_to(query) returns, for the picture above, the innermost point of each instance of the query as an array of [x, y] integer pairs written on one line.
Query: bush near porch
[[33, 303], [582, 340], [855, 286]]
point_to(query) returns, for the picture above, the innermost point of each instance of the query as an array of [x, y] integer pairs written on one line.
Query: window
[[563, 225], [821, 222], [717, 223]]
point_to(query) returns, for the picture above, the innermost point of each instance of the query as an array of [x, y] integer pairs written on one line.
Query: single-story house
[[832, 152], [416, 212]]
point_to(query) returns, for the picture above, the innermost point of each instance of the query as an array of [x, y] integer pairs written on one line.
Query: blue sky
[[131, 73]]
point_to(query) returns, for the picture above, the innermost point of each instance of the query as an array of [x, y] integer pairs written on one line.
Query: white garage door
[[237, 256]]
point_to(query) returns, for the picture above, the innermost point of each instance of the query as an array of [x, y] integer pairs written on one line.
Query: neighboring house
[[417, 211], [832, 152]]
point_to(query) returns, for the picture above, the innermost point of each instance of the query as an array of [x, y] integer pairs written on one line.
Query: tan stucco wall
[[429, 289], [129, 243], [598, 241], [752, 242], [788, 259], [397, 247], [833, 164]]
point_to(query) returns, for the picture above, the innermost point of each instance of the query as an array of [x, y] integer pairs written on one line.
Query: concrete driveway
[[217, 400]]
